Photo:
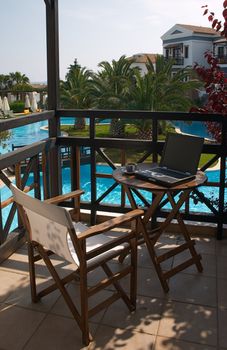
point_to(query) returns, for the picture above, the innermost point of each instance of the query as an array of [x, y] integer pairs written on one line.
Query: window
[[220, 52], [186, 49], [187, 78]]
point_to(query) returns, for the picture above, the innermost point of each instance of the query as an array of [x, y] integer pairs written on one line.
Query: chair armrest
[[64, 197], [109, 224]]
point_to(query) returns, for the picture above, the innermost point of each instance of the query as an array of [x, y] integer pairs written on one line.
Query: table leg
[[145, 236], [153, 207], [151, 241], [170, 217], [195, 257]]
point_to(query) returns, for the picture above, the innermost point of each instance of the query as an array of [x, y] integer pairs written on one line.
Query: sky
[[90, 31]]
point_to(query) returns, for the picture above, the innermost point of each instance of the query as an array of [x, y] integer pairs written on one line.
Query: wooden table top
[[132, 181]]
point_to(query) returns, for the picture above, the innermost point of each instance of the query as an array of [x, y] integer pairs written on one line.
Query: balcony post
[[1, 225], [52, 33], [222, 180], [93, 173]]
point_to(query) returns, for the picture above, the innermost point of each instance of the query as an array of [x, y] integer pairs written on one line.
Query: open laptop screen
[[182, 153]]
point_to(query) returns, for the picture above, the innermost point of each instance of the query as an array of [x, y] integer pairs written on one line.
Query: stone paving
[[192, 316]]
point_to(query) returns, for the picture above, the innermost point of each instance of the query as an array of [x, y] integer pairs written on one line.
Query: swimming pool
[[34, 132], [24, 135], [103, 184], [27, 134], [193, 128]]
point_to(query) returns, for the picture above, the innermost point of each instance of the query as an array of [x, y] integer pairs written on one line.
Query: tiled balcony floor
[[192, 316]]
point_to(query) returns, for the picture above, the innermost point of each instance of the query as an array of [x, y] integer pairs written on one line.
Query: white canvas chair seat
[[51, 230], [93, 243]]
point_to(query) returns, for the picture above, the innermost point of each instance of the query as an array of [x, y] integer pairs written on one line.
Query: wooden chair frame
[[37, 251]]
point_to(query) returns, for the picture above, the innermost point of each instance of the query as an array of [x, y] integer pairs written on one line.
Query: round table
[[132, 185], [121, 177]]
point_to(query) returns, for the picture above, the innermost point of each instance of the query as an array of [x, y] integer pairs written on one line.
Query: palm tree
[[75, 91], [4, 136], [4, 80], [160, 90], [112, 89], [174, 88], [14, 81], [18, 78], [18, 82]]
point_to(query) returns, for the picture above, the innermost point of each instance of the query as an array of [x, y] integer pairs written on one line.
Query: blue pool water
[[34, 132], [27, 134], [104, 184], [193, 128], [24, 135]]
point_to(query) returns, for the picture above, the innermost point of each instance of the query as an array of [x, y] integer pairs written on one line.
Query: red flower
[[215, 21], [218, 27], [215, 82], [210, 18]]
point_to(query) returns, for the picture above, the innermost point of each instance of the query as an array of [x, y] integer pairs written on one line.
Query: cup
[[130, 167]]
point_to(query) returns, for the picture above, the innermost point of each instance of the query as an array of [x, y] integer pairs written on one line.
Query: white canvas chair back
[[49, 224]]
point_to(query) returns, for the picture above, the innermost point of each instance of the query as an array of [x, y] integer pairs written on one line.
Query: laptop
[[179, 161]]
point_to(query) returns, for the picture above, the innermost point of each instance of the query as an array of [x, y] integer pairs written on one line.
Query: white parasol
[[5, 105], [27, 104], [44, 99], [34, 105]]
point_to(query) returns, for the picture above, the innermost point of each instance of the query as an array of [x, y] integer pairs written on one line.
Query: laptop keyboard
[[165, 177], [171, 173], [154, 172]]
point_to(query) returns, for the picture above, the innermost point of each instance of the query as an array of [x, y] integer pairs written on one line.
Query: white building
[[220, 52], [141, 59], [187, 44]]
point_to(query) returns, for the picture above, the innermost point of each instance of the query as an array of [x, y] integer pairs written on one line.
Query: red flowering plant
[[215, 84], [214, 79]]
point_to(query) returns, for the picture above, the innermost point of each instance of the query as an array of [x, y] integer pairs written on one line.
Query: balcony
[[178, 61], [192, 316], [33, 158], [222, 59], [159, 316]]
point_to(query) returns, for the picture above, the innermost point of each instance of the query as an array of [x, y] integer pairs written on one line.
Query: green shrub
[[17, 106], [4, 136]]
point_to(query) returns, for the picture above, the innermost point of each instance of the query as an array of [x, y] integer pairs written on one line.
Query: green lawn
[[101, 131], [130, 132]]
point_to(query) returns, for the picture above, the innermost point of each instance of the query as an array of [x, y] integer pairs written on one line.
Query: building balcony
[[178, 61], [222, 59], [97, 149], [196, 303]]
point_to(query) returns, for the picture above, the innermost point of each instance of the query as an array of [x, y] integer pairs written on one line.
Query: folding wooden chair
[[51, 230]]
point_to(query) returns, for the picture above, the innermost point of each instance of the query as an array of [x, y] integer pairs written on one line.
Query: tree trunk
[[144, 134], [117, 128], [80, 123]]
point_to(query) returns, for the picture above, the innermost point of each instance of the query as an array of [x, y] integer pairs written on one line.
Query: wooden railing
[[30, 156], [148, 148], [154, 148]]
